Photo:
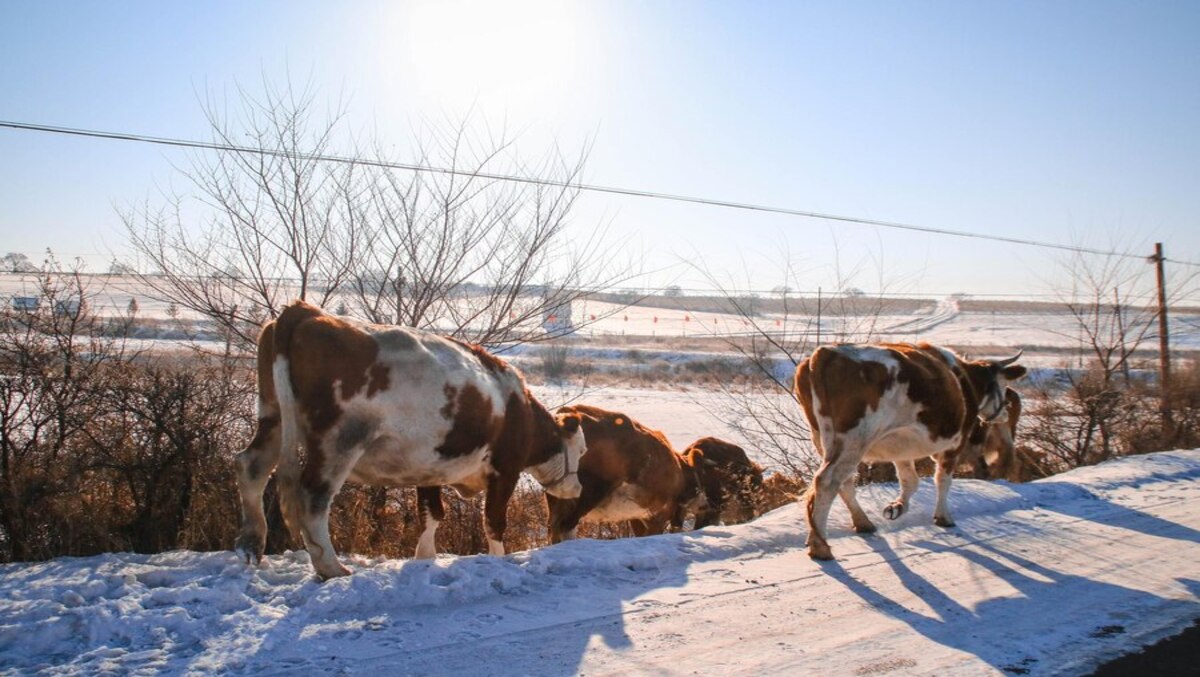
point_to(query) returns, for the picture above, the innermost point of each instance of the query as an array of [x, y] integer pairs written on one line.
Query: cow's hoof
[[865, 529], [894, 510], [943, 522], [333, 573], [249, 549], [820, 552]]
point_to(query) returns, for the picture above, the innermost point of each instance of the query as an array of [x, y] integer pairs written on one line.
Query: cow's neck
[[547, 444], [971, 378]]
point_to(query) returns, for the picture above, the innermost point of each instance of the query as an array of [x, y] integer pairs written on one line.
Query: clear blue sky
[[1074, 122]]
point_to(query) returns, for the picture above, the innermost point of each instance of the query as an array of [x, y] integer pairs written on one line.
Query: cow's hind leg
[[906, 471], [254, 467], [862, 523], [432, 512], [838, 467], [321, 479], [942, 478]]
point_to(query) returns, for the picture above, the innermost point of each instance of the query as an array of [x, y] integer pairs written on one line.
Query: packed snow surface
[[1050, 577]]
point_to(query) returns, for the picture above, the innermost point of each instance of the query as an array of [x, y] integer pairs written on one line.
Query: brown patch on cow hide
[[933, 384], [451, 393], [378, 379], [266, 361], [474, 424], [329, 359], [846, 388]]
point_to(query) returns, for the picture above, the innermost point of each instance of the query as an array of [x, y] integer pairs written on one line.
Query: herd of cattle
[[385, 405]]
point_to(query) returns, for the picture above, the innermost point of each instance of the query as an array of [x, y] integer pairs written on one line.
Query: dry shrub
[[780, 489], [383, 521]]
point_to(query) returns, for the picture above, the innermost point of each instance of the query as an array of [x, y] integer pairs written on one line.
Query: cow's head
[[560, 475], [733, 482], [692, 497], [990, 378]]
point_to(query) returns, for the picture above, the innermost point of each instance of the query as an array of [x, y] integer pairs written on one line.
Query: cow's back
[[874, 391], [426, 409]]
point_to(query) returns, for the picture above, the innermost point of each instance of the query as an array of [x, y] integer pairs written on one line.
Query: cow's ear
[[1014, 372], [569, 424]]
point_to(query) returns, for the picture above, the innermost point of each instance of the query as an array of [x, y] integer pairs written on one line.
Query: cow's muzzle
[[566, 482]]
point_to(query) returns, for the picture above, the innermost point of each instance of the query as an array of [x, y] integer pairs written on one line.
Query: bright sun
[[512, 54]]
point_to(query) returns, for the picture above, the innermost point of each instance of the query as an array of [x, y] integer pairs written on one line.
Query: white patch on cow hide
[[876, 354], [622, 504], [409, 417]]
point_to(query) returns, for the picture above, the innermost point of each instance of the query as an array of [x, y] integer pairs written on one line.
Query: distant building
[[26, 304], [556, 320], [69, 307]]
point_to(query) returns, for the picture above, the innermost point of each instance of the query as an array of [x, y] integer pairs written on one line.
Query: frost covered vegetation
[[108, 445]]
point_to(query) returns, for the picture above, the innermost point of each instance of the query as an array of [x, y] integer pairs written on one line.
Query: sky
[[1067, 122]]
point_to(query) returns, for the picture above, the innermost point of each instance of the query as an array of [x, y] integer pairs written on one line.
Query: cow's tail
[[291, 495]]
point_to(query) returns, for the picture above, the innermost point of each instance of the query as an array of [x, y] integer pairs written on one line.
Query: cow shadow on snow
[[996, 630], [546, 608], [1093, 508]]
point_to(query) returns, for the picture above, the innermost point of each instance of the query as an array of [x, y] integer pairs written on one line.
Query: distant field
[[708, 323]]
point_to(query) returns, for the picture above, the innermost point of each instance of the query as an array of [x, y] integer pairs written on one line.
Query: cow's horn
[[1009, 360]]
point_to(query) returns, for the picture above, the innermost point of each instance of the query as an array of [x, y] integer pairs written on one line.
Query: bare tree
[[473, 256], [781, 332], [1112, 302], [277, 222], [453, 249]]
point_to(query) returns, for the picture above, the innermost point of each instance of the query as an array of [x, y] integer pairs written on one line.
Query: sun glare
[[512, 54]]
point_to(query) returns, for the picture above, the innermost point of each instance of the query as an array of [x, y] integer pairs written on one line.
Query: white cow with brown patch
[[892, 402], [391, 406]]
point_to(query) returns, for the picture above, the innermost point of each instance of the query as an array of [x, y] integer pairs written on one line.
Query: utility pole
[[1164, 346]]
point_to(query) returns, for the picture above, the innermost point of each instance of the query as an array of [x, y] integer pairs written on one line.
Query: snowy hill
[[1045, 578]]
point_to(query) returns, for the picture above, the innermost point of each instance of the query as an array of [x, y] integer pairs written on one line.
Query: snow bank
[[181, 611]]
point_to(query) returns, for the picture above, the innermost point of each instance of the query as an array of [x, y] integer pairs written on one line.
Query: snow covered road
[[1052, 577]]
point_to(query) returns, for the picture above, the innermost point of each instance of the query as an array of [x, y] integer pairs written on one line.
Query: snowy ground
[[1052, 577]]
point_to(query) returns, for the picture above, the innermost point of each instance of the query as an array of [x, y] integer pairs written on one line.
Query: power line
[[631, 192]]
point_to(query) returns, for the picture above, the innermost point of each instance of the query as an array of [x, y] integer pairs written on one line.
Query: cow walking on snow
[[391, 406], [892, 402]]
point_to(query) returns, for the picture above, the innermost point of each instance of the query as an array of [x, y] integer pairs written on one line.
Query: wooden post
[[818, 316], [1164, 346]]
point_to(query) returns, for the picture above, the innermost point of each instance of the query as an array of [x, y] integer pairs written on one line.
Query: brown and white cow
[[733, 484], [629, 473], [892, 402], [391, 406]]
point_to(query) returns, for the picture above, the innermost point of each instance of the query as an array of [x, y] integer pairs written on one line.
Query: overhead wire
[[612, 190]]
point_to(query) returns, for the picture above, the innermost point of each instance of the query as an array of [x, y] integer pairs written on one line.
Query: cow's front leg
[[593, 492], [942, 478], [254, 468], [432, 512], [558, 509], [495, 510], [906, 472]]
